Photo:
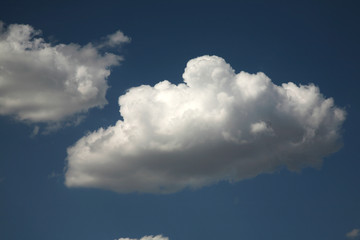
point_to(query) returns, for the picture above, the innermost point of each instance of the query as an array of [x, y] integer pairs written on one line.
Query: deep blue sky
[[298, 41]]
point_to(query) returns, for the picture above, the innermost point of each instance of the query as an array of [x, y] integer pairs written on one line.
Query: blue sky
[[45, 191]]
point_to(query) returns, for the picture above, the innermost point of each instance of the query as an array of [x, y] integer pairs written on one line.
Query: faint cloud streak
[[353, 233]]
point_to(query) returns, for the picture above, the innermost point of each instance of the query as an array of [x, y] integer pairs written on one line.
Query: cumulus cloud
[[353, 233], [45, 83], [157, 237], [215, 126]]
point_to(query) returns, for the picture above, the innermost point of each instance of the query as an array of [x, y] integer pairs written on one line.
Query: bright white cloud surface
[[157, 237], [40, 82], [215, 126]]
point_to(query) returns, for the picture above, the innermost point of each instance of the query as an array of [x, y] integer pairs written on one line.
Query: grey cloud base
[[215, 126], [44, 83]]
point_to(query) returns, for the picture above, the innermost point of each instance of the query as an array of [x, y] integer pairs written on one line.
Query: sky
[[179, 120]]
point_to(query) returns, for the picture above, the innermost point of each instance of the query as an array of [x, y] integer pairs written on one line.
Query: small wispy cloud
[[353, 233], [54, 175], [35, 131], [157, 237], [114, 40]]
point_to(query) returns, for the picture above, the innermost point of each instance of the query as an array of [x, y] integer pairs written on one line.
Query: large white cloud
[[157, 237], [40, 82], [217, 125]]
